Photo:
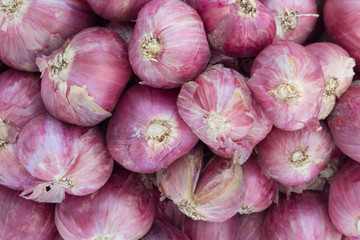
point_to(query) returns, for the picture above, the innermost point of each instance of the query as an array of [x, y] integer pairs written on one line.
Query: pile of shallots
[[179, 120]]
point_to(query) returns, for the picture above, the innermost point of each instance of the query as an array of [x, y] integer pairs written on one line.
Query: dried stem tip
[[59, 63], [331, 86], [150, 47], [286, 92], [289, 18], [10, 6], [247, 7]]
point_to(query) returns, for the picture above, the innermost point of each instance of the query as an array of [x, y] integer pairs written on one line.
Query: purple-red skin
[[118, 10], [234, 34], [52, 150], [124, 29], [184, 51], [122, 208], [162, 230], [251, 226], [40, 29], [304, 216], [24, 219], [281, 63], [20, 102], [342, 25], [344, 122], [126, 135], [344, 199], [260, 190], [80, 96]]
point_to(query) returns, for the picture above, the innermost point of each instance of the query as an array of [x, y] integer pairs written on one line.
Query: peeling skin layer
[[10, 6]]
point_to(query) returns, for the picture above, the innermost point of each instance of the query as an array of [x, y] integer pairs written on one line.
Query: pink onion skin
[[221, 111], [288, 84], [260, 190], [219, 58], [24, 219], [344, 200], [162, 230], [167, 50], [303, 26], [304, 216], [38, 28], [57, 237], [122, 209], [233, 32], [118, 10], [338, 71], [82, 164], [340, 18], [124, 29], [148, 135], [294, 158], [20, 101], [71, 92], [251, 226], [344, 122]]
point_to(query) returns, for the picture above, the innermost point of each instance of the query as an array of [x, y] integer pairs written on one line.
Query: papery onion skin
[[23, 219], [35, 28], [340, 18], [344, 200], [304, 216], [57, 237], [295, 20], [124, 29], [145, 136], [219, 58], [251, 226], [221, 111], [167, 50], [338, 71], [74, 94], [296, 157], [118, 10], [260, 190], [162, 230], [67, 158], [200, 193], [239, 28], [344, 122], [20, 101], [288, 84], [121, 209]]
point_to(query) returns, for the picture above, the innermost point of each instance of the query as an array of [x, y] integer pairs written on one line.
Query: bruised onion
[[260, 190], [221, 111], [213, 193], [124, 29], [20, 102], [168, 46], [304, 216], [118, 10], [23, 219], [147, 135], [121, 209], [344, 205], [237, 28], [344, 122], [338, 71], [82, 82], [162, 230], [32, 28], [295, 20], [342, 25], [296, 157], [288, 83], [65, 157]]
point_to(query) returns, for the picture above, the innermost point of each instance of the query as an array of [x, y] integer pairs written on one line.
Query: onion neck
[[189, 208], [299, 157], [288, 19], [286, 92], [331, 84], [10, 7], [59, 63], [246, 7], [150, 47]]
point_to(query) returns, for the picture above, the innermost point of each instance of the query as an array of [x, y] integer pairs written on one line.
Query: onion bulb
[[162, 230]]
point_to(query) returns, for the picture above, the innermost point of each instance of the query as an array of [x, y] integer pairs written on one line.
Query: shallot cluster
[[179, 119]]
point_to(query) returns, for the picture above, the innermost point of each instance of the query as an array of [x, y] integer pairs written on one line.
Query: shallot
[[124, 29], [162, 230]]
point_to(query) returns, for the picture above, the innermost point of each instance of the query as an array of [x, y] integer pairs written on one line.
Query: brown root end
[[289, 18], [158, 130], [247, 7], [4, 133], [189, 208], [331, 86], [107, 237], [216, 122], [328, 172], [10, 6], [299, 157], [286, 92], [246, 209], [59, 63], [67, 182], [150, 47]]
